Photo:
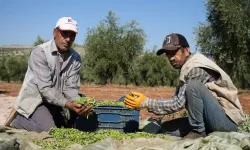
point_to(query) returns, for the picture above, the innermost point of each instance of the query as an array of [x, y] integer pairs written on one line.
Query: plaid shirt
[[178, 101]]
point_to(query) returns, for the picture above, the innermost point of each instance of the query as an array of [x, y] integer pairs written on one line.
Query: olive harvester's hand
[[134, 99], [80, 109]]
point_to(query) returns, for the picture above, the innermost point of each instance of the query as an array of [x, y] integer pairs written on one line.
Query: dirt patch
[[112, 92], [245, 101], [6, 103]]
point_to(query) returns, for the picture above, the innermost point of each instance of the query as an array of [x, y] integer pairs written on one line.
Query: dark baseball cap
[[173, 41]]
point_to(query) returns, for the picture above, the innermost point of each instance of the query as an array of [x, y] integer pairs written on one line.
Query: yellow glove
[[133, 100]]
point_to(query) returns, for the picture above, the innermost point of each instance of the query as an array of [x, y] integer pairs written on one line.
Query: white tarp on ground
[[215, 141], [11, 138]]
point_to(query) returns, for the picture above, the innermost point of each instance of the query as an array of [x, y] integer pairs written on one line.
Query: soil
[[9, 91]]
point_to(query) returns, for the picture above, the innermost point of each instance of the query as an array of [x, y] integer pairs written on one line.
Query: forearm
[[163, 106], [53, 96]]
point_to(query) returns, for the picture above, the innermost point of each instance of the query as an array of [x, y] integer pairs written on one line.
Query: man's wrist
[[67, 104], [144, 103]]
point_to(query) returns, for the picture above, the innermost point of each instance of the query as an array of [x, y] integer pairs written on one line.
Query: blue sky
[[23, 21]]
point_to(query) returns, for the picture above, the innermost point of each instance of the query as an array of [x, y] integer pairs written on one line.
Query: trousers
[[45, 117], [205, 114]]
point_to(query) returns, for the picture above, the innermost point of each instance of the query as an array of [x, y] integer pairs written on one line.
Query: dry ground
[[8, 92]]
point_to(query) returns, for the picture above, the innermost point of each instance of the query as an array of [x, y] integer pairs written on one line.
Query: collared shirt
[[60, 84], [178, 101]]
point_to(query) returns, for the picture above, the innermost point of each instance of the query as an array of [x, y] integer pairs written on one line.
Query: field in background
[[20, 49]]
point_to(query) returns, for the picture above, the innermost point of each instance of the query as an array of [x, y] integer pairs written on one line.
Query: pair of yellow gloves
[[134, 100]]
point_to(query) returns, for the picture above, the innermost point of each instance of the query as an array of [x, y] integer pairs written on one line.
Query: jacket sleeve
[[163, 106]]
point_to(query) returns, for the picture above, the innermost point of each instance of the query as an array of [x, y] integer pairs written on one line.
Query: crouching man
[[205, 90]]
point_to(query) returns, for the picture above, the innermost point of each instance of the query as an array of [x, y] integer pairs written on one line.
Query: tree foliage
[[111, 48], [13, 67], [156, 70], [39, 40], [226, 37]]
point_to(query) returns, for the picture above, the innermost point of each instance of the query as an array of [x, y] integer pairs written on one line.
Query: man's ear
[[54, 32], [187, 51]]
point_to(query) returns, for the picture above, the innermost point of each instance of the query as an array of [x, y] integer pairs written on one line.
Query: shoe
[[194, 135]]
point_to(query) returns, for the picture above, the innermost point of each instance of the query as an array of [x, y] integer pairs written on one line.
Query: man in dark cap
[[205, 90]]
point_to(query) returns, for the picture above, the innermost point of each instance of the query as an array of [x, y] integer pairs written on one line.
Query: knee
[[20, 122], [193, 85]]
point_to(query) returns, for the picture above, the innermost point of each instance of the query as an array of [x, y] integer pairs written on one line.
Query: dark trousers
[[205, 114], [45, 117]]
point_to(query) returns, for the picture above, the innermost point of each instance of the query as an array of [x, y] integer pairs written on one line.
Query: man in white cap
[[51, 83]]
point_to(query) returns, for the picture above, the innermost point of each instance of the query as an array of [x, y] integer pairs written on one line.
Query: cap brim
[[169, 47], [160, 51], [68, 27]]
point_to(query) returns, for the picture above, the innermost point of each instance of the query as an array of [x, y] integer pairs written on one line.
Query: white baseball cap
[[68, 24]]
